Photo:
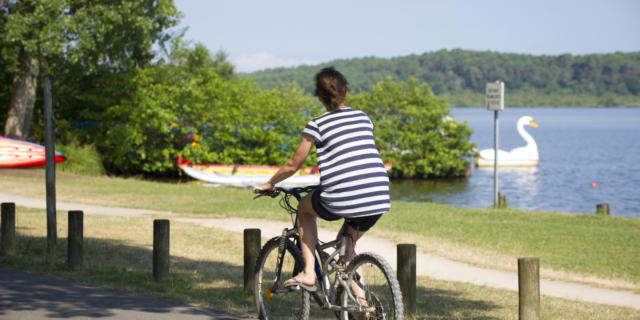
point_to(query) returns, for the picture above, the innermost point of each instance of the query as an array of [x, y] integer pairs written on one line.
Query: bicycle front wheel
[[375, 289], [272, 299]]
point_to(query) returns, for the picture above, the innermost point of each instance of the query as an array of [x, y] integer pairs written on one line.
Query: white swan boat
[[526, 156]]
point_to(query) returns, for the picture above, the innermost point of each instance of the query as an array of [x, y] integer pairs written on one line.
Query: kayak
[[248, 175], [23, 154], [245, 175]]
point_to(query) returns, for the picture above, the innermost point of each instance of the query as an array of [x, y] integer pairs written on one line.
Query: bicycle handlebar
[[290, 191]]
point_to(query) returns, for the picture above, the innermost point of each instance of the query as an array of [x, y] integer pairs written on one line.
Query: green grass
[[587, 248], [207, 270], [607, 247], [83, 160]]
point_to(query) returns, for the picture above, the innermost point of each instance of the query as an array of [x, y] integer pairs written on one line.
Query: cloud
[[265, 60]]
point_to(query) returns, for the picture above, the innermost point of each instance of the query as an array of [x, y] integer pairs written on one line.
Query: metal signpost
[[495, 102]]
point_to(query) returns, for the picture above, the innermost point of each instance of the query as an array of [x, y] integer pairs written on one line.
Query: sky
[[260, 34]]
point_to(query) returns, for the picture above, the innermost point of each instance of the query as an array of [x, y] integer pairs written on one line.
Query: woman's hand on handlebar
[[264, 188]]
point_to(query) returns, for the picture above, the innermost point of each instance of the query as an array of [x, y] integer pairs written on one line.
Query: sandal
[[296, 284]]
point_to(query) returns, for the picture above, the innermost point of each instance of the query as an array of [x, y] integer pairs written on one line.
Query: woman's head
[[331, 88]]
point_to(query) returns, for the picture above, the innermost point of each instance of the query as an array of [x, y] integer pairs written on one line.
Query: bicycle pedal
[[294, 288]]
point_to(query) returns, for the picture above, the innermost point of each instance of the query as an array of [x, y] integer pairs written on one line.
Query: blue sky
[[264, 34]]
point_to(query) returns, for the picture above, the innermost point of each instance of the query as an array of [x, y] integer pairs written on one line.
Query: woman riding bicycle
[[353, 180]]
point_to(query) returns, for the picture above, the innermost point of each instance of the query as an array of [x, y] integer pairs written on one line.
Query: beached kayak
[[248, 175], [23, 154]]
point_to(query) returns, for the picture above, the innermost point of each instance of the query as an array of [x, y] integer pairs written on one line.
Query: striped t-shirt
[[353, 178]]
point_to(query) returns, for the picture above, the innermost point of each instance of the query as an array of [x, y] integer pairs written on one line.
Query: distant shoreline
[[557, 107]]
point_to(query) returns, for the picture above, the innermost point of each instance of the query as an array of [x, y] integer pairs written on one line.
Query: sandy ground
[[426, 264]]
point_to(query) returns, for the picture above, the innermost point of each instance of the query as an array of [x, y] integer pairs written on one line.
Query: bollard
[[406, 257], [160, 250], [502, 200], [603, 208], [75, 240], [528, 288], [8, 229], [251, 250]]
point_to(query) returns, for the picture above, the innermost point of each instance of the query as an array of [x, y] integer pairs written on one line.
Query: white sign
[[495, 95]]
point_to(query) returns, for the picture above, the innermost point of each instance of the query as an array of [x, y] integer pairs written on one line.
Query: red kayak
[[23, 154]]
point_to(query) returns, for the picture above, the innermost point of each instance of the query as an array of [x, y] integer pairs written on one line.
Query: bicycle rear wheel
[[281, 303], [377, 288]]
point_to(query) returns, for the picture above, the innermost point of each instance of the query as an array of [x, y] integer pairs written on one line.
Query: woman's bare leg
[[350, 253], [309, 238]]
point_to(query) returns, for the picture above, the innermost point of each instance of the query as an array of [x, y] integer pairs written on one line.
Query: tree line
[[460, 76]]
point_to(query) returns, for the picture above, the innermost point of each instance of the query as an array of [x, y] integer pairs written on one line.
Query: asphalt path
[[28, 296]]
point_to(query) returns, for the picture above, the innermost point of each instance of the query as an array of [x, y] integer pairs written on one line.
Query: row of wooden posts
[[75, 240], [528, 268], [601, 208]]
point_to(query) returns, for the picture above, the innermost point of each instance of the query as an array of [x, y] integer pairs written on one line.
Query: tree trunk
[[23, 99]]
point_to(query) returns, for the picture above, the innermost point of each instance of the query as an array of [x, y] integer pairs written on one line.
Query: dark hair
[[331, 88]]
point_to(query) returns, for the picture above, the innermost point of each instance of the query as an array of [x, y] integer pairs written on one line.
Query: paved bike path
[[426, 264]]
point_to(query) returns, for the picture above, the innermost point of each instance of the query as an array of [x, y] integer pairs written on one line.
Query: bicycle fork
[[282, 249]]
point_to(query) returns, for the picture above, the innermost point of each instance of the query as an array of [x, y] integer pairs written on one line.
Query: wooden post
[[603, 208], [160, 250], [502, 200], [529, 288], [252, 239], [50, 168], [406, 257], [8, 229], [75, 239]]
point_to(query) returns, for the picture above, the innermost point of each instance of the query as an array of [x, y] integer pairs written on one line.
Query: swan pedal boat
[[23, 154], [248, 175], [526, 156]]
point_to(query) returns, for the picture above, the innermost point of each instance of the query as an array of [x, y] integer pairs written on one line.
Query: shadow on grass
[[114, 264], [447, 304]]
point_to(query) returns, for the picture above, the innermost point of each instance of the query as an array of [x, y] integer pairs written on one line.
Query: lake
[[587, 156]]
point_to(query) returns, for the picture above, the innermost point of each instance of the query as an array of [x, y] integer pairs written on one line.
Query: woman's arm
[[291, 166]]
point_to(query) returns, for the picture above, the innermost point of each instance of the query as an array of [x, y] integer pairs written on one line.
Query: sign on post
[[495, 102], [495, 96]]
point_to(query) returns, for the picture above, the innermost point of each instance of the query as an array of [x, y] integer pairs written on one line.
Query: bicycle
[[280, 259]]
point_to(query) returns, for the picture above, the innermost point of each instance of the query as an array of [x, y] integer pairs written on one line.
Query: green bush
[[82, 160], [202, 117], [415, 131], [192, 106]]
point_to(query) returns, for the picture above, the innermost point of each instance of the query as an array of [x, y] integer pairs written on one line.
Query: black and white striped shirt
[[352, 175]]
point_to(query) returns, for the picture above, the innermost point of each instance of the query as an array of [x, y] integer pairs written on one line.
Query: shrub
[[202, 117], [415, 131], [82, 160]]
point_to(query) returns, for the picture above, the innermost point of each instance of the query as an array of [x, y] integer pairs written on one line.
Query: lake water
[[577, 147]]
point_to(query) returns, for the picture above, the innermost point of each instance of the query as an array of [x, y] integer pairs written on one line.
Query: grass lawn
[[207, 270], [592, 249], [206, 263]]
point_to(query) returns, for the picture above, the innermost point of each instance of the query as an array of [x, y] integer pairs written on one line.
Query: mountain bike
[[280, 259]]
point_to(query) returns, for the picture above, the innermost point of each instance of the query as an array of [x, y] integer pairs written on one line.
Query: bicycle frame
[[324, 267]]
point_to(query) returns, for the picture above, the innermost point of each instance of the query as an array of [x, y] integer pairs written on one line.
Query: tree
[[188, 107], [414, 130], [199, 59], [40, 35]]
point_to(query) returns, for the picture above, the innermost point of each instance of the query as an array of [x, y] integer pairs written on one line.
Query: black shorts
[[360, 224]]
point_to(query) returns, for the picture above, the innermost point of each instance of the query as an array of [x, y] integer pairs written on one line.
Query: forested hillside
[[460, 76]]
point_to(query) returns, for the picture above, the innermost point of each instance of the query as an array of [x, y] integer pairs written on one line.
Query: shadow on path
[[28, 296]]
